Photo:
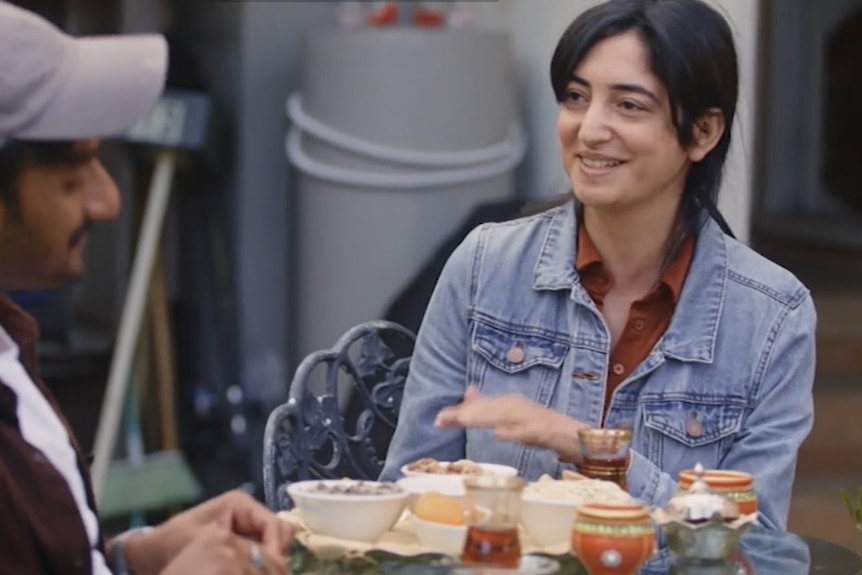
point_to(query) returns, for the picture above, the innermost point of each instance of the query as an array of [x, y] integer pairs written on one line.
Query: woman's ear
[[708, 130]]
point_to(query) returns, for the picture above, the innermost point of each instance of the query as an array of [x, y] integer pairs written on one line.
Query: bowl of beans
[[349, 509]]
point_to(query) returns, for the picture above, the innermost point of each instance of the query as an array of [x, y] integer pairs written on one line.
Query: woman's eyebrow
[[636, 88]]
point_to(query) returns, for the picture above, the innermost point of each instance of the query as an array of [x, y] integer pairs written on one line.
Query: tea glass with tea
[[605, 454], [492, 531]]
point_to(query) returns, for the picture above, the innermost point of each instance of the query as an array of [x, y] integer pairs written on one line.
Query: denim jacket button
[[693, 427], [516, 355]]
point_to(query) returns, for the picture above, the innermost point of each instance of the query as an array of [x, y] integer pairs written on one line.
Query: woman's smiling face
[[616, 135]]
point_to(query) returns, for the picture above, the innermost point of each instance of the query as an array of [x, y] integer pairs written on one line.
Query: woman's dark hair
[[692, 53], [17, 155]]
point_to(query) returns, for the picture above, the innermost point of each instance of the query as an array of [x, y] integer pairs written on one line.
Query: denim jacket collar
[[693, 330]]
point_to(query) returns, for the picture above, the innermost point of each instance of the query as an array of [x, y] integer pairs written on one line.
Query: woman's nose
[[594, 127]]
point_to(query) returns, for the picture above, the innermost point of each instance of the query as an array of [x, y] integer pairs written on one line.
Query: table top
[[783, 553], [767, 551]]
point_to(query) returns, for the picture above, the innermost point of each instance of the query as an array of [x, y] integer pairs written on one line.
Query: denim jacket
[[738, 357]]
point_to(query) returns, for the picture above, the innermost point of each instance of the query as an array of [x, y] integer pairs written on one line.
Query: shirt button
[[639, 325], [693, 427], [516, 355], [619, 368]]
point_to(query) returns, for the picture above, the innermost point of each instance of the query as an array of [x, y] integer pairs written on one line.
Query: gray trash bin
[[396, 136]]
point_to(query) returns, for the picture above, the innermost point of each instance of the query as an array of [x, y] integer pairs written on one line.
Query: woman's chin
[[597, 199]]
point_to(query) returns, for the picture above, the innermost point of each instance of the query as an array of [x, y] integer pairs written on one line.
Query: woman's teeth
[[590, 163]]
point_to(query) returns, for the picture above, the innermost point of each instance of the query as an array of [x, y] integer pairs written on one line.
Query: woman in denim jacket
[[629, 305]]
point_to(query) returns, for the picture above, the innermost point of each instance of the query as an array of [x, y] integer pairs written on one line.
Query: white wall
[[536, 27]]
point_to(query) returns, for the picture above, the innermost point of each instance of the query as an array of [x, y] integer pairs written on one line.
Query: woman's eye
[[574, 97], [630, 106]]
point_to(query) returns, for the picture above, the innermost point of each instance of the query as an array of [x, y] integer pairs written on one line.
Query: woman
[[629, 305]]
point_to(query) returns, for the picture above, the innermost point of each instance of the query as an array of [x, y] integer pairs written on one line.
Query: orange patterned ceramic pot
[[735, 485], [613, 539]]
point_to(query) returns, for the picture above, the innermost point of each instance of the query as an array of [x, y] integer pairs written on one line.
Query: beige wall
[[536, 26]]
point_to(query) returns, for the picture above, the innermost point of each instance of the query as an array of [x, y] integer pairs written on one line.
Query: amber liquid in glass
[[607, 467], [497, 547]]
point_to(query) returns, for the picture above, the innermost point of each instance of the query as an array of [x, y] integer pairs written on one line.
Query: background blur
[[267, 259]]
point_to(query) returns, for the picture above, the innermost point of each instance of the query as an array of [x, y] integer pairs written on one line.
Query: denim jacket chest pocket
[[683, 430], [514, 360]]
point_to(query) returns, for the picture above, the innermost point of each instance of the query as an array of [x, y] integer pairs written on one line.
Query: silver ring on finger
[[257, 558]]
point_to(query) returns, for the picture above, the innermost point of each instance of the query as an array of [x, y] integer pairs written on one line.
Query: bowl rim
[[298, 490], [560, 502], [509, 470], [436, 525], [718, 477], [444, 488]]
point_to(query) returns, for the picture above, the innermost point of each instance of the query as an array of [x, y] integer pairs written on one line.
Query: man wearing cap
[[58, 95]]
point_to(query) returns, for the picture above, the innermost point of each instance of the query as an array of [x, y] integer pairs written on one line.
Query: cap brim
[[111, 82]]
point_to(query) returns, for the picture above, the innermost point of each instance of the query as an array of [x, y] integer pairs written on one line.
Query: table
[[769, 552]]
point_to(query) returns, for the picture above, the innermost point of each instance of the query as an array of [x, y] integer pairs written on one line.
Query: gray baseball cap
[[57, 87]]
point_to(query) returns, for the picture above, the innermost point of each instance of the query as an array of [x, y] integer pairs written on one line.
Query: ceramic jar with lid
[[613, 539], [702, 524], [736, 485]]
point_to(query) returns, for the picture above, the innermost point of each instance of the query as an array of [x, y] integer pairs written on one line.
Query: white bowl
[[353, 517], [449, 485], [488, 468], [439, 537], [548, 521]]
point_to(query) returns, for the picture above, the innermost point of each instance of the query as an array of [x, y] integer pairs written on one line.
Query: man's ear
[[708, 130], [5, 210]]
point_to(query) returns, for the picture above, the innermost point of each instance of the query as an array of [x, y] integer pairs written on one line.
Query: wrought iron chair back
[[312, 436]]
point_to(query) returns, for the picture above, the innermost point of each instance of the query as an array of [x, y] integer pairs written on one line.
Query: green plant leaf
[[854, 507], [847, 501]]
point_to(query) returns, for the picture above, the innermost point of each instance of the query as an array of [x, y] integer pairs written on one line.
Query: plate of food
[[461, 468], [549, 506]]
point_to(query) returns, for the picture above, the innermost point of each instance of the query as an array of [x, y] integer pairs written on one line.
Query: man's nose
[[102, 198]]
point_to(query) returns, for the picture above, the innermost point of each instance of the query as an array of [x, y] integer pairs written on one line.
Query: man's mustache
[[80, 233]]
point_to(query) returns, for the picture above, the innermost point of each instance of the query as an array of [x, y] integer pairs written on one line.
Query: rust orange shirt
[[649, 317]]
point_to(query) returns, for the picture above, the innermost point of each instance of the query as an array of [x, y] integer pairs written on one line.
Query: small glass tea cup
[[492, 532], [605, 454]]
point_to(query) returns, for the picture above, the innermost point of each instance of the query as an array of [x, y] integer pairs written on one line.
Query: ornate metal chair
[[310, 438]]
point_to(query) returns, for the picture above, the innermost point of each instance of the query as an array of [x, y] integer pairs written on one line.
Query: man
[[57, 96]]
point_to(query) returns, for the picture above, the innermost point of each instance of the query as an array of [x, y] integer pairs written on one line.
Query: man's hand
[[518, 420], [243, 515], [217, 551]]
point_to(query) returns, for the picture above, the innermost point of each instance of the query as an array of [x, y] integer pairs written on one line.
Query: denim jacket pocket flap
[[694, 423], [514, 352]]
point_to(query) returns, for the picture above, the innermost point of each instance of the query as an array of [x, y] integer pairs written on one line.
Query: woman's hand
[[518, 420]]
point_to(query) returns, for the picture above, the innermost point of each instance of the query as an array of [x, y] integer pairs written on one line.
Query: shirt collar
[[694, 327]]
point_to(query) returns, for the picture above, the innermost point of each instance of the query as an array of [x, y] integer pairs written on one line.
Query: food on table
[[439, 508], [581, 491], [356, 487], [569, 475], [432, 466]]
